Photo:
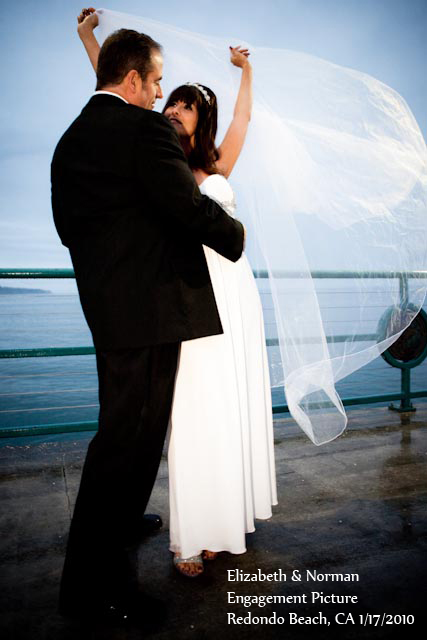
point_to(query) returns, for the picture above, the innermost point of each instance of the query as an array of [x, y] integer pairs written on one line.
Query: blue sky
[[47, 79]]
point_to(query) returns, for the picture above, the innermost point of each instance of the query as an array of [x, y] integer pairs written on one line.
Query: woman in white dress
[[220, 456]]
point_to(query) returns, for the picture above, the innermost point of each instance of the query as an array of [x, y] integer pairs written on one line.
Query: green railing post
[[405, 373], [405, 399], [405, 380], [405, 403]]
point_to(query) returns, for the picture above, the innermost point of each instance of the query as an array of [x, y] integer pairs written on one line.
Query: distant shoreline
[[10, 290]]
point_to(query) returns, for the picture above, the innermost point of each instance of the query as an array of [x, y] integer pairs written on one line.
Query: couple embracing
[[141, 200]]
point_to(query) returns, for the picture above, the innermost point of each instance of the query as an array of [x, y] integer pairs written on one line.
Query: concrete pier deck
[[355, 508]]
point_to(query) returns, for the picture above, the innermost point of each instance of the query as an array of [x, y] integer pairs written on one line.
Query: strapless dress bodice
[[218, 188]]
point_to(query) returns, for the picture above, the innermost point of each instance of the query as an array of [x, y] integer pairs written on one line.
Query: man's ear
[[133, 80]]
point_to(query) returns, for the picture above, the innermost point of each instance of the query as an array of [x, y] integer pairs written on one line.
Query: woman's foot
[[209, 555], [190, 567]]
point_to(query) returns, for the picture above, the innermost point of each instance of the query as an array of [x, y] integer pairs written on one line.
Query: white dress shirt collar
[[110, 93]]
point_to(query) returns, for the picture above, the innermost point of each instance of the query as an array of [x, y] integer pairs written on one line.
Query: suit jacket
[[126, 205]]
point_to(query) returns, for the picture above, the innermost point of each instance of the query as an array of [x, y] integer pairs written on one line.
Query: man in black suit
[[126, 205]]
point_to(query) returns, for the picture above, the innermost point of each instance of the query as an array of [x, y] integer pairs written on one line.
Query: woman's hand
[[239, 56], [230, 148], [87, 21]]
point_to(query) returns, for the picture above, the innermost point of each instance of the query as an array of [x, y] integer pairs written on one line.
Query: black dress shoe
[[150, 523], [147, 525]]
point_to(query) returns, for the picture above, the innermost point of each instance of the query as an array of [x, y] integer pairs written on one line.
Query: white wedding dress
[[221, 457]]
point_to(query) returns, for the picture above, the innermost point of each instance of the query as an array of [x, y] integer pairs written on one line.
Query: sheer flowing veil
[[332, 177]]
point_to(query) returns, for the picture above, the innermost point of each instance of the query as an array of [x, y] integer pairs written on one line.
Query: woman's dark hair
[[205, 154], [121, 52]]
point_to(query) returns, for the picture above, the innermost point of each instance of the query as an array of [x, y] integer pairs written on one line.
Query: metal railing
[[405, 395]]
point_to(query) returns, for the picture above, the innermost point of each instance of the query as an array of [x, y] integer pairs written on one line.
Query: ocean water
[[38, 391]]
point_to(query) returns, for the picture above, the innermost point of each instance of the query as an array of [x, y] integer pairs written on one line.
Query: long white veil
[[333, 176]]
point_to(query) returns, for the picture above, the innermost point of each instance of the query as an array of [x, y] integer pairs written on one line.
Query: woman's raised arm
[[87, 22], [231, 146]]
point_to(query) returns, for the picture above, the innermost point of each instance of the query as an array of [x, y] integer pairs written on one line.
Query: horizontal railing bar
[[84, 351], [418, 394], [36, 273], [361, 337], [48, 429], [47, 353], [74, 427], [258, 273], [386, 397], [333, 275]]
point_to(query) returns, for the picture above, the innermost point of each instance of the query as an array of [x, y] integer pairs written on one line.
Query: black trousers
[[135, 393]]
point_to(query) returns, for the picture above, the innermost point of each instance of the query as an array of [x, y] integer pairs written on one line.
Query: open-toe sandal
[[182, 564]]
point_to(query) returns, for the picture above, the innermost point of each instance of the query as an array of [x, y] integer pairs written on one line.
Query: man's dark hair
[[121, 52]]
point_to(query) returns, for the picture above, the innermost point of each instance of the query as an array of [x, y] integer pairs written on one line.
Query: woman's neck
[[187, 144]]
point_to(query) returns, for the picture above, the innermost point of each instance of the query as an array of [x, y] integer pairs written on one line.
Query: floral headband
[[201, 89]]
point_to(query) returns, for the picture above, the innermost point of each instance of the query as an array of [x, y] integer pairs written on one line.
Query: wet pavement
[[351, 524]]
